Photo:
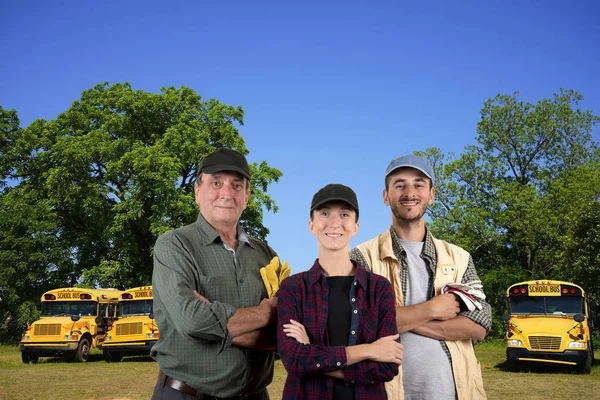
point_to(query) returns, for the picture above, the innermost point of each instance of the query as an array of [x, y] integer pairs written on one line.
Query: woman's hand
[[387, 349], [296, 330]]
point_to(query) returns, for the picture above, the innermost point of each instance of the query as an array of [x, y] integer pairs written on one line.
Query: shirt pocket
[[369, 325], [445, 274]]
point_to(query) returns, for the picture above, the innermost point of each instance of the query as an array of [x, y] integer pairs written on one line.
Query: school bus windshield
[[58, 308], [546, 305], [135, 307]]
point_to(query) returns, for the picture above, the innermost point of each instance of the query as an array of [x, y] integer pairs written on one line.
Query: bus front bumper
[[49, 349], [567, 357], [129, 347]]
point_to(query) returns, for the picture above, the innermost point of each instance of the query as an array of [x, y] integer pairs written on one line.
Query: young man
[[439, 361], [337, 335], [210, 302]]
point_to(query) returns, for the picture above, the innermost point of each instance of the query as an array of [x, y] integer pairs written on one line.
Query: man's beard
[[396, 210]]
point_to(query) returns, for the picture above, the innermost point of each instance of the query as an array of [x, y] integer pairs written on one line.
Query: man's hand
[[269, 307], [200, 297], [296, 330], [443, 307], [387, 349]]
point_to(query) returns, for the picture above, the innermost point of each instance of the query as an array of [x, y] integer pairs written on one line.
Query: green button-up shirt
[[195, 344]]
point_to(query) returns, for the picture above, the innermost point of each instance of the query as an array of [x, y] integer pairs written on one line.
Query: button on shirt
[[304, 297], [195, 344]]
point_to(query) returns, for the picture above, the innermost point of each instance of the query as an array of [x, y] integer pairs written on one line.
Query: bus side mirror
[[151, 316], [579, 317], [505, 317], [98, 320], [75, 318], [500, 304]]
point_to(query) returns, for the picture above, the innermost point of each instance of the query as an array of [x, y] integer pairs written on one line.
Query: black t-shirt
[[338, 325]]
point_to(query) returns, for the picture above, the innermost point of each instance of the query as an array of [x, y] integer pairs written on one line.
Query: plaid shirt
[[304, 297], [483, 317]]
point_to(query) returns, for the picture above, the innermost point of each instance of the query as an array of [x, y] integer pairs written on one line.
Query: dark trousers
[[164, 392]]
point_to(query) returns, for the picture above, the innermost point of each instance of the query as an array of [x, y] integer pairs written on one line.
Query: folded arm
[[252, 327], [457, 328], [440, 318], [200, 320], [365, 363]]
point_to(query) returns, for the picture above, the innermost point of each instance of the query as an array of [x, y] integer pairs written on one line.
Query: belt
[[181, 386]]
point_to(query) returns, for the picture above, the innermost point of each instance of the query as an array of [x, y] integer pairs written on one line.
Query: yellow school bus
[[549, 322], [135, 331], [73, 321]]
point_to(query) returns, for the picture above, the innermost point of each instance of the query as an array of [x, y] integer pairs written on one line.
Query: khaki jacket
[[451, 265]]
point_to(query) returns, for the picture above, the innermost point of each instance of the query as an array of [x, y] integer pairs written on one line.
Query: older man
[[210, 303]]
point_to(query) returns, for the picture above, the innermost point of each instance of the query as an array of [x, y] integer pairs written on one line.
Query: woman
[[337, 335]]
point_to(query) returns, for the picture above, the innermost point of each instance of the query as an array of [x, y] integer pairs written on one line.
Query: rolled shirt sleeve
[[484, 316]]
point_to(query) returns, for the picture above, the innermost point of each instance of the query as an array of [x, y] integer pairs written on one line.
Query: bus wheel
[[112, 356], [25, 358], [586, 366], [83, 350], [34, 358]]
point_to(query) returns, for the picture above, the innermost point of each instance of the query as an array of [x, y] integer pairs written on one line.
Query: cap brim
[[329, 199], [222, 167], [409, 166]]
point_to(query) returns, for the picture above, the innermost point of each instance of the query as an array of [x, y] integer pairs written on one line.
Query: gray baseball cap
[[411, 161]]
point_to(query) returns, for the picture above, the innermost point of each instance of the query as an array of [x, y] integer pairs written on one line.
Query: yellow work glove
[[284, 273], [270, 277]]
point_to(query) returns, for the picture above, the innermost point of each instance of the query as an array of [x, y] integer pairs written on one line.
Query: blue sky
[[332, 91]]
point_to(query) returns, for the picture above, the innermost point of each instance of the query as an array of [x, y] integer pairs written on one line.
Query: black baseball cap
[[334, 192], [224, 159]]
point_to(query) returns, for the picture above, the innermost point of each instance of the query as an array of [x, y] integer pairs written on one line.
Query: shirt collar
[[428, 247], [209, 235], [316, 273]]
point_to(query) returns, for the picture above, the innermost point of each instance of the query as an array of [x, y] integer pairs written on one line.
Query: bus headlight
[[151, 335], [26, 337], [68, 337], [108, 339], [576, 345], [514, 343]]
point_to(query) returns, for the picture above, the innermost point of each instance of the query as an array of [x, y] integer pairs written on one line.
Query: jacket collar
[[389, 238]]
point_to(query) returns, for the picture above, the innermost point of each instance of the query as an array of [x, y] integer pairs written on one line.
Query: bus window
[[546, 305], [564, 305], [135, 307], [527, 305], [58, 308]]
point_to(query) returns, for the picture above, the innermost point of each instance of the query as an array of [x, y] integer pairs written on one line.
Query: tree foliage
[[525, 199], [84, 196]]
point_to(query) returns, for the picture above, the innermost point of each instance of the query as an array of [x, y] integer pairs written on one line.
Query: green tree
[[525, 198], [84, 196]]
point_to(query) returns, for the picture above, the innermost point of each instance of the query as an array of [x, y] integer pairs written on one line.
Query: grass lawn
[[134, 378]]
